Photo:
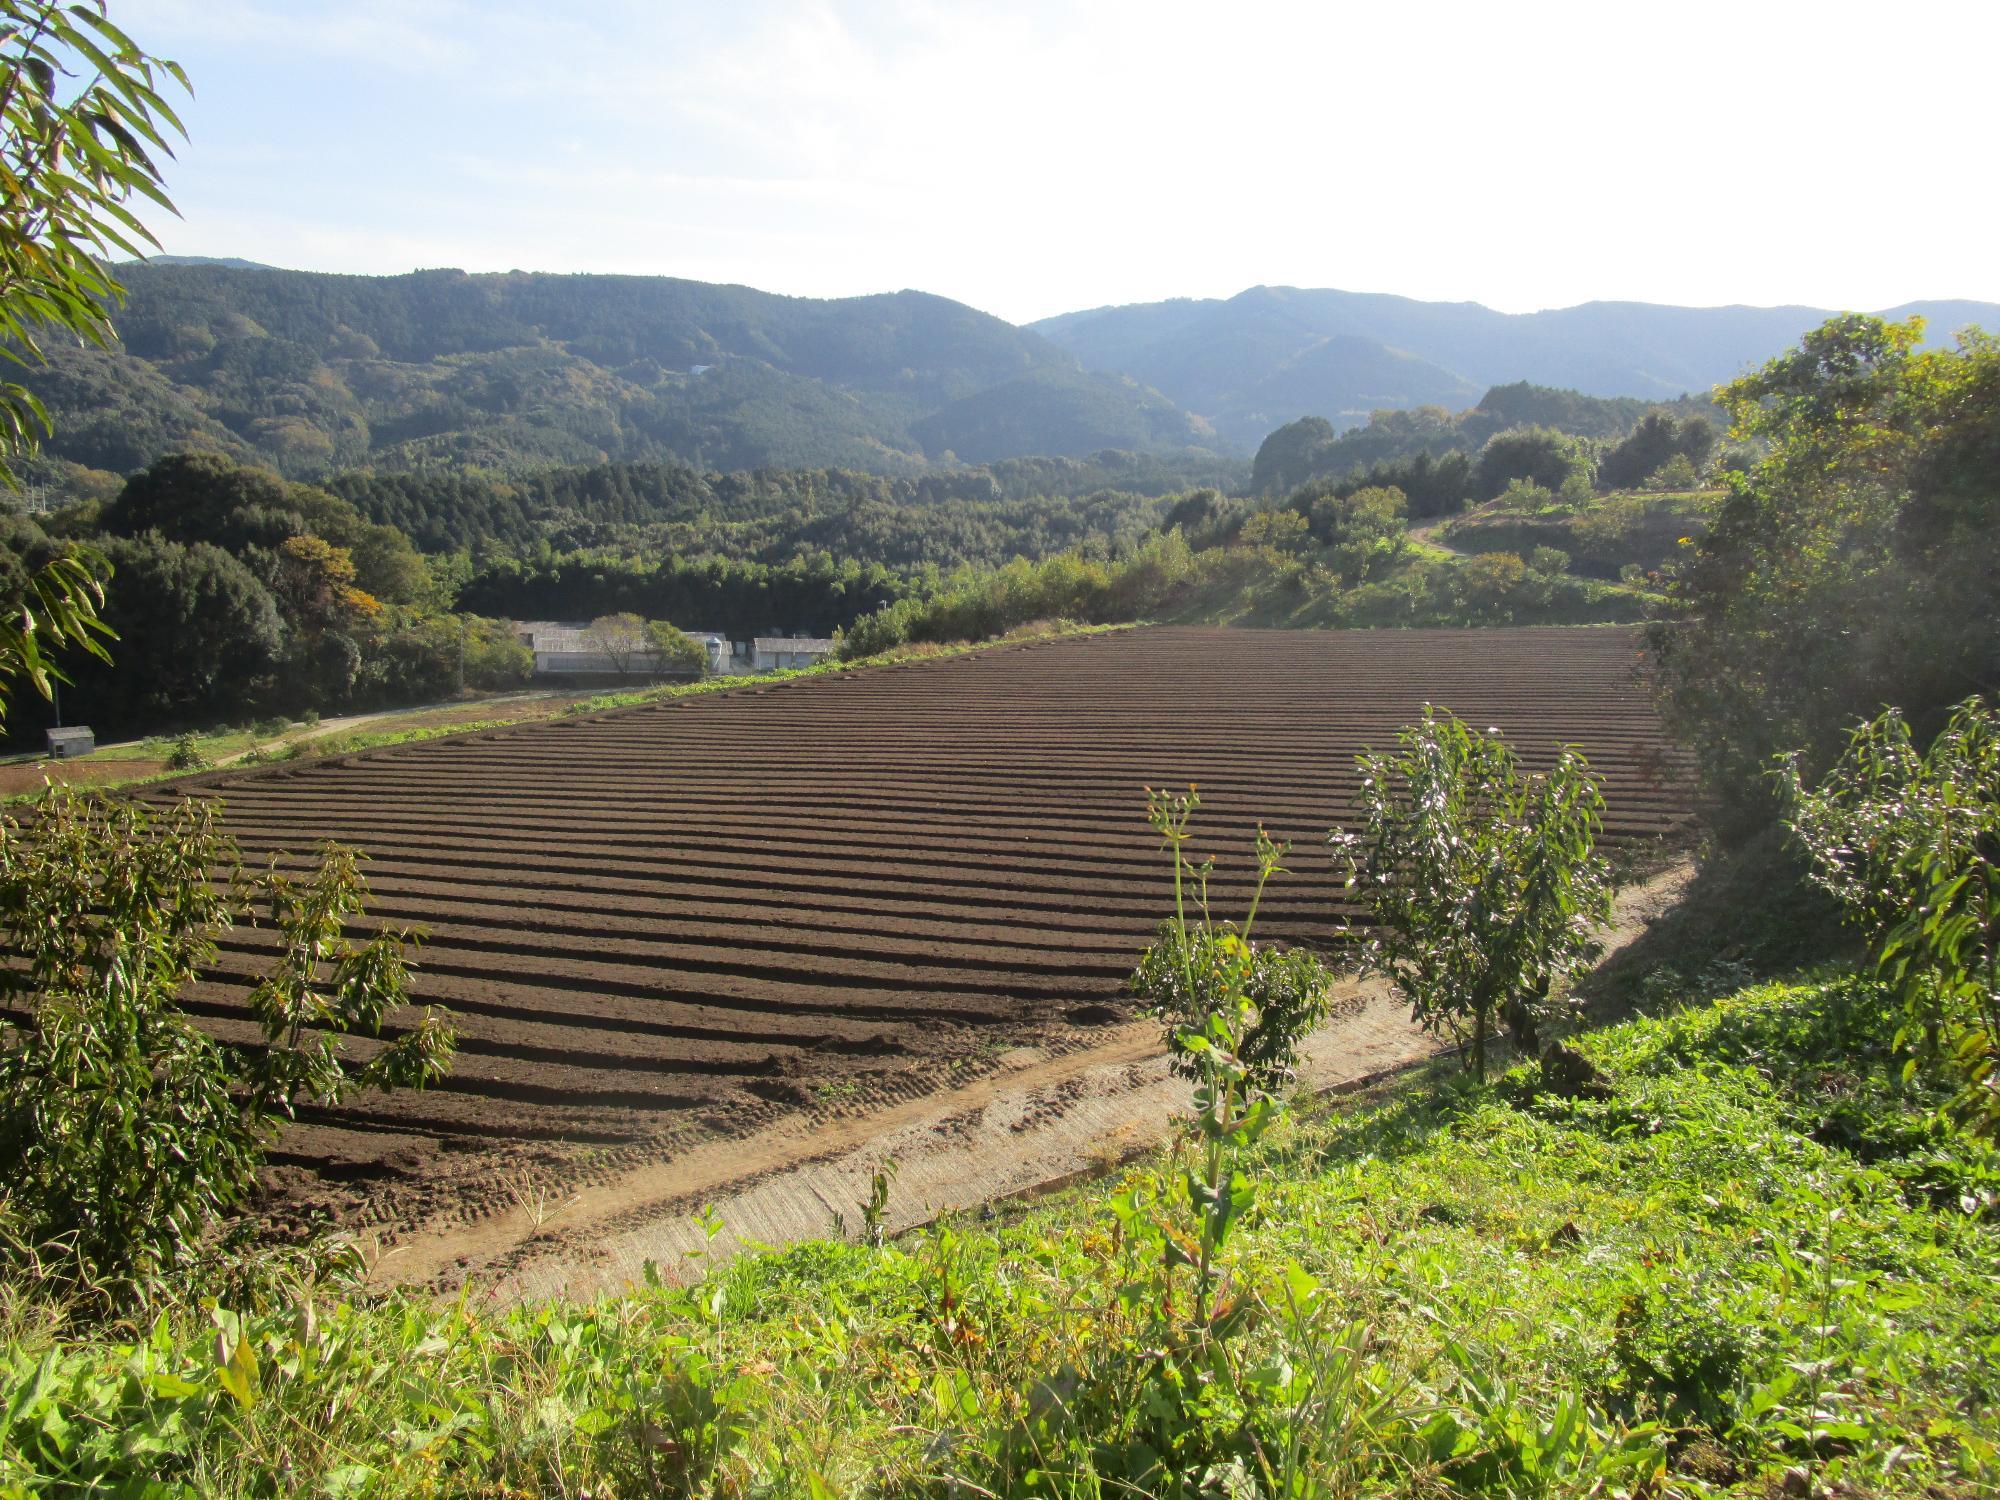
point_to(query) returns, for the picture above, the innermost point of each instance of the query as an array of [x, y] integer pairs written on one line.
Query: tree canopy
[[1854, 568]]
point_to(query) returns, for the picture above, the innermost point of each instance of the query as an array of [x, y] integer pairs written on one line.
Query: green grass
[[1759, 1259]]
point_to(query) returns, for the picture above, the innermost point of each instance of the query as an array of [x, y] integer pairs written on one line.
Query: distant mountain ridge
[[1269, 355], [310, 372]]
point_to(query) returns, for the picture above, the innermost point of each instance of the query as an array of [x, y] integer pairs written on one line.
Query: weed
[[186, 755]]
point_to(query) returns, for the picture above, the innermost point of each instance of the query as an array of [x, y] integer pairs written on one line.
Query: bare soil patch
[[806, 904]]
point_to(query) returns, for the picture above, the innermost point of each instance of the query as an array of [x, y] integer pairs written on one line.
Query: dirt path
[[1431, 534], [1038, 1123], [358, 721]]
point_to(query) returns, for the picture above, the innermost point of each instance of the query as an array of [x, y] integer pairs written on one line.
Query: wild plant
[[126, 1131], [1909, 842], [1178, 1403], [1233, 1104], [186, 755], [875, 1209]]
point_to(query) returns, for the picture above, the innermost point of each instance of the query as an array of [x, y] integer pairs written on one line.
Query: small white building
[[572, 649], [65, 743], [776, 653]]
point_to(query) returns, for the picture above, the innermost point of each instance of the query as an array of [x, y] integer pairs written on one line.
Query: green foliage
[[441, 372], [812, 592], [1431, 448], [976, 606], [1676, 474], [83, 126], [674, 650], [1538, 455], [203, 497], [126, 1130], [1288, 987], [1654, 444], [57, 605], [1199, 967], [1496, 1294], [1852, 569], [200, 636], [240, 593], [186, 755], [1481, 882], [1909, 842]]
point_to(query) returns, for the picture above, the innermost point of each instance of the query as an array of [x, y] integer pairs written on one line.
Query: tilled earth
[[667, 923]]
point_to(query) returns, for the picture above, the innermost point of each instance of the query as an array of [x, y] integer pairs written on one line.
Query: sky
[[1031, 158]]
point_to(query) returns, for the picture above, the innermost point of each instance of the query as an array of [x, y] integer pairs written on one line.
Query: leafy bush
[[674, 650], [1676, 474], [126, 1130], [1176, 981], [186, 755], [1483, 882], [1909, 842]]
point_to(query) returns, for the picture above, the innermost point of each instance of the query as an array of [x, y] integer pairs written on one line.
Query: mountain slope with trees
[[308, 373], [1270, 355]]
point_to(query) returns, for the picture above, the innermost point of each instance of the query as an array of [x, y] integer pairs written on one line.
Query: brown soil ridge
[[690, 921], [1037, 1124]]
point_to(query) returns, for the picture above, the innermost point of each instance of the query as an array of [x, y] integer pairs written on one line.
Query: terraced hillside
[[662, 923]]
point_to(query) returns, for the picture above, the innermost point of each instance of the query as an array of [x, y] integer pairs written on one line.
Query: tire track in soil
[[810, 902]]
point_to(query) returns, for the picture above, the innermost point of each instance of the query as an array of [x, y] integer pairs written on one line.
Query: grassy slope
[[1445, 1292]]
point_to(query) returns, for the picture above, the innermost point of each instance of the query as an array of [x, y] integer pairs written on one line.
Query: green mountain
[[1269, 355], [310, 373]]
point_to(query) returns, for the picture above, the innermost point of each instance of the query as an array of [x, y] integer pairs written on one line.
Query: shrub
[[1548, 560], [186, 755], [1290, 989], [1908, 841], [1677, 473], [125, 1130], [674, 650], [1484, 882]]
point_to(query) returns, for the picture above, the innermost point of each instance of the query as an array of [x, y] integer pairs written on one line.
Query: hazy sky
[[1031, 158]]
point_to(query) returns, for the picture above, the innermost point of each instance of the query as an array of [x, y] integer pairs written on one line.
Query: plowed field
[[678, 920]]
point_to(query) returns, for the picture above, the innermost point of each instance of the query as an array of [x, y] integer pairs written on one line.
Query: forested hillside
[[1443, 459], [308, 373], [439, 370], [1270, 355]]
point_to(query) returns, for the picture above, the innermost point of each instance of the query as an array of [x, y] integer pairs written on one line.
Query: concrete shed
[[65, 743], [775, 653]]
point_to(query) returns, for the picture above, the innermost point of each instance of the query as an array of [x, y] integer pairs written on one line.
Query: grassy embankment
[[1759, 1267]]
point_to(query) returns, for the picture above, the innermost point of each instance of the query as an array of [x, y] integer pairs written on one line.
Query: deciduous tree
[[620, 638], [1855, 567]]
